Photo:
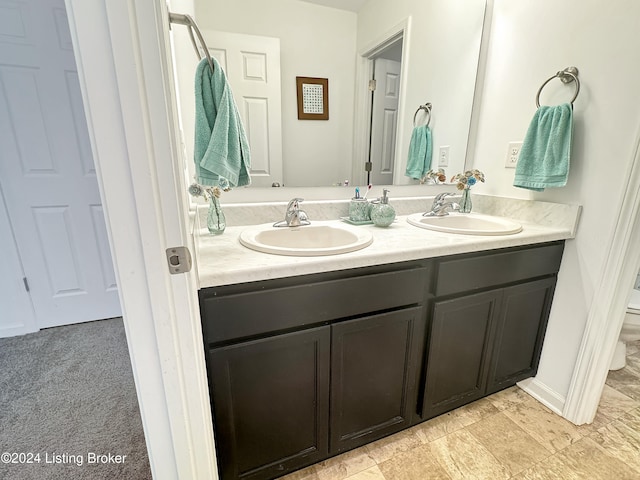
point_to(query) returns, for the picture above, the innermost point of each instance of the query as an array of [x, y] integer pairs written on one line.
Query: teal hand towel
[[221, 149], [420, 150], [546, 149]]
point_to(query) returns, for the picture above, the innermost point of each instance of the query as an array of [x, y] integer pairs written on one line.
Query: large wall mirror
[[432, 46]]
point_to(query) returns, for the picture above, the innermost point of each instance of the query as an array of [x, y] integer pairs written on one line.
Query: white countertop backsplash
[[222, 260]]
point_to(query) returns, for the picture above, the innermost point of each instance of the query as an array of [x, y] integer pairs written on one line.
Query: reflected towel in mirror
[[221, 148], [420, 150]]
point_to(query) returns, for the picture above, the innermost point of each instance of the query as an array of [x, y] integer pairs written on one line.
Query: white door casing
[[606, 315], [47, 170], [252, 66], [363, 105], [122, 50], [384, 120]]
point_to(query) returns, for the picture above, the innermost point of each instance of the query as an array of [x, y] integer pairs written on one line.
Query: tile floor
[[508, 435]]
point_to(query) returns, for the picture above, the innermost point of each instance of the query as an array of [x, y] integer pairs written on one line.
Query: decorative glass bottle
[[465, 201], [216, 222], [383, 214]]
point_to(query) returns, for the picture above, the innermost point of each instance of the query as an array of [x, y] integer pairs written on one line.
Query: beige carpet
[[67, 402]]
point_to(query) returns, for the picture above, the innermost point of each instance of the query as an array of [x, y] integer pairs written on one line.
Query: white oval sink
[[466, 224], [306, 241]]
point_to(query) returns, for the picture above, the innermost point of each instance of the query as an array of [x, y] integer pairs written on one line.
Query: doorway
[[48, 181], [386, 68]]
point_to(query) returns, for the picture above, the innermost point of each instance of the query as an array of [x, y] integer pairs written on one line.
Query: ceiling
[[351, 5]]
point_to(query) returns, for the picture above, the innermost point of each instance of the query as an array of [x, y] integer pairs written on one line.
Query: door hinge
[[179, 260], [26, 284], [372, 85]]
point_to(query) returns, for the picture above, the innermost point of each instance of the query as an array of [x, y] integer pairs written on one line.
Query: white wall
[[444, 42], [315, 41], [531, 40]]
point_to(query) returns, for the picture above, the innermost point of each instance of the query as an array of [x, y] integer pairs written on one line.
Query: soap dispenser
[[382, 213]]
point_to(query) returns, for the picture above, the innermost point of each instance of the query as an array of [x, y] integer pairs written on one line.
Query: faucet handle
[[440, 197], [293, 203]]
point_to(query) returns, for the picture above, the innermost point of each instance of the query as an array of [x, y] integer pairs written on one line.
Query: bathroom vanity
[[306, 366]]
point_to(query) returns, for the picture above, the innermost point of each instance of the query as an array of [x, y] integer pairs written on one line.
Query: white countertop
[[222, 260]]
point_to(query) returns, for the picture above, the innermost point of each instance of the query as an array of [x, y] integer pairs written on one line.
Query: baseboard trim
[[16, 331], [543, 394]]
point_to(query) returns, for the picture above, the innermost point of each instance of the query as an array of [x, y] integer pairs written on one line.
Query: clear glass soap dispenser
[[382, 213]]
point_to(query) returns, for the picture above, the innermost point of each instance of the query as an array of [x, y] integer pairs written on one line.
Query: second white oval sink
[[466, 224], [306, 241]]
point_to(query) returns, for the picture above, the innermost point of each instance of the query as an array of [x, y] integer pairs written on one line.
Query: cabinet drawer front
[[225, 318], [477, 272]]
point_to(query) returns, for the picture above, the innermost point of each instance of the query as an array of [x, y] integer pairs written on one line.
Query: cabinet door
[[270, 402], [458, 355], [374, 370], [520, 329]]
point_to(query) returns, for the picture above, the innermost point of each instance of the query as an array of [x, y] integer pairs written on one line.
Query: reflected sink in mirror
[[466, 224], [306, 241]]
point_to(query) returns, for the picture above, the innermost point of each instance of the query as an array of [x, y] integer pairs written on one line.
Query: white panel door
[[252, 66], [47, 171], [384, 120]]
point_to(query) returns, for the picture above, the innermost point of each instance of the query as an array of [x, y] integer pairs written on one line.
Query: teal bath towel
[[419, 160], [546, 149], [221, 148]]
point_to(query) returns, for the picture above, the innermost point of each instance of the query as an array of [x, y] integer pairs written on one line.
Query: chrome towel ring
[[568, 75], [427, 108]]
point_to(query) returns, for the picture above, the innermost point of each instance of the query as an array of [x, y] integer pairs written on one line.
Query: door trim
[[364, 72], [606, 315], [122, 51]]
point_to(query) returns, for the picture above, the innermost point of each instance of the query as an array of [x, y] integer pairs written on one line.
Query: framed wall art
[[313, 98]]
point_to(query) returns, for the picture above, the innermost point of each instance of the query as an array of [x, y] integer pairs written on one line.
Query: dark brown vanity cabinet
[[520, 327], [374, 366], [483, 339], [271, 399], [307, 367], [458, 353], [304, 368]]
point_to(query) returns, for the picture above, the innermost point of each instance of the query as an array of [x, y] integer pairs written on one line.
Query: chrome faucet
[[440, 206], [294, 217]]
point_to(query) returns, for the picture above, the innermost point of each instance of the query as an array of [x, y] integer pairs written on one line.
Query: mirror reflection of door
[[384, 113], [252, 66]]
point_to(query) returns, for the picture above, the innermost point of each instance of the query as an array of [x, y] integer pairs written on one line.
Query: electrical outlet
[[513, 152], [443, 156]]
